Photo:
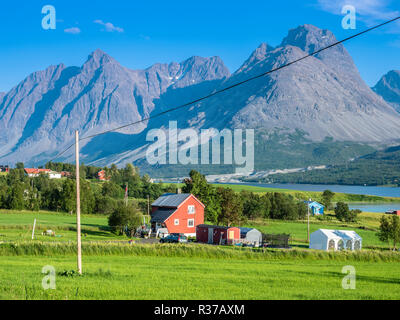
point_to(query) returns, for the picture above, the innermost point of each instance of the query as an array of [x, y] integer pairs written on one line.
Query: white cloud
[[73, 30], [109, 27], [370, 11]]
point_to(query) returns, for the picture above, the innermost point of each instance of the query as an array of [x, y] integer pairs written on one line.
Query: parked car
[[174, 238]]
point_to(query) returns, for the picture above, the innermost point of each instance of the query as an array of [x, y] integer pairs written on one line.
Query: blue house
[[315, 207]]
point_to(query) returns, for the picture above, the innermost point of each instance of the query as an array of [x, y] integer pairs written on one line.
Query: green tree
[[125, 218], [206, 193], [105, 205], [255, 206], [111, 189], [68, 196], [231, 207], [129, 171], [343, 213], [327, 197], [16, 196], [33, 201], [3, 193], [285, 207], [20, 165], [389, 230]]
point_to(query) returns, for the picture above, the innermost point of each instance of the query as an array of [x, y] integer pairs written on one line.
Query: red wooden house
[[179, 213], [217, 234], [101, 175]]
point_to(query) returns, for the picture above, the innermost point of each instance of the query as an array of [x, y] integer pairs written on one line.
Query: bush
[[125, 218], [343, 213], [106, 205]]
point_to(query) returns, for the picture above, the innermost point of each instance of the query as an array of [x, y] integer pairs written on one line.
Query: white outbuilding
[[324, 239]]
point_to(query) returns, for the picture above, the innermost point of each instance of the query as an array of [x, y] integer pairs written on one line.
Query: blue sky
[[141, 33]]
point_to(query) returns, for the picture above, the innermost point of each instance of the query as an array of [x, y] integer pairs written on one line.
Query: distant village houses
[[102, 176], [33, 172], [65, 174]]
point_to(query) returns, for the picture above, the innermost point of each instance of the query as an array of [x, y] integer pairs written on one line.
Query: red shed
[[179, 213], [217, 234], [395, 212]]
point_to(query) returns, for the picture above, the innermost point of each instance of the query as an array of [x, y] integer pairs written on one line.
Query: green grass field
[[169, 278], [117, 270], [17, 226]]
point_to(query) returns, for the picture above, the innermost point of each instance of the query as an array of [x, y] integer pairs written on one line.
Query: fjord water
[[365, 190], [375, 207]]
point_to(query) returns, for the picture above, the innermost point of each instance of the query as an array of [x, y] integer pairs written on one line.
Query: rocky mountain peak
[[309, 38], [97, 59], [389, 88], [322, 96], [257, 55]]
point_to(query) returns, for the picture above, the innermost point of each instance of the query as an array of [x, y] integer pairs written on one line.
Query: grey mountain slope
[[388, 88], [47, 107], [322, 95]]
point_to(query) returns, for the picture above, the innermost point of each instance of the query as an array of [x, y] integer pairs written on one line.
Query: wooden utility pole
[[126, 194], [78, 204], [33, 230], [148, 207]]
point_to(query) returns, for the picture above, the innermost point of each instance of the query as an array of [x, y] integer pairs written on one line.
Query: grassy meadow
[[115, 269], [17, 226], [207, 276]]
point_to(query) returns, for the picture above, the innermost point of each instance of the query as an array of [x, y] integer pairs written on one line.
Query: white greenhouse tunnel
[[324, 239]]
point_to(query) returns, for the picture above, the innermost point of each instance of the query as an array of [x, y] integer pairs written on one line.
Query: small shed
[[217, 234], [251, 236], [324, 239], [316, 208], [395, 212]]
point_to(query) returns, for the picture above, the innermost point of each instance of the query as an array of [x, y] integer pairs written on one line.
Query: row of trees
[[18, 191], [224, 206], [389, 230], [343, 213]]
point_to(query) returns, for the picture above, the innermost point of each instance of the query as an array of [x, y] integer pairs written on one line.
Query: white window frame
[[189, 209], [188, 224], [176, 222]]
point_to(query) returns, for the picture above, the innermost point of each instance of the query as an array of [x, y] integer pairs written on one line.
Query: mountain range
[[389, 88], [321, 97]]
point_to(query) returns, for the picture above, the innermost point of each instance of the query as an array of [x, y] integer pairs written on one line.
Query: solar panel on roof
[[171, 199]]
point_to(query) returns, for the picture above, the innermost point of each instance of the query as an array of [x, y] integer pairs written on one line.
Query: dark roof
[[161, 215], [213, 226], [171, 200]]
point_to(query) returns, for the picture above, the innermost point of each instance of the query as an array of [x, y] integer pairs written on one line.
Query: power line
[[231, 86]]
